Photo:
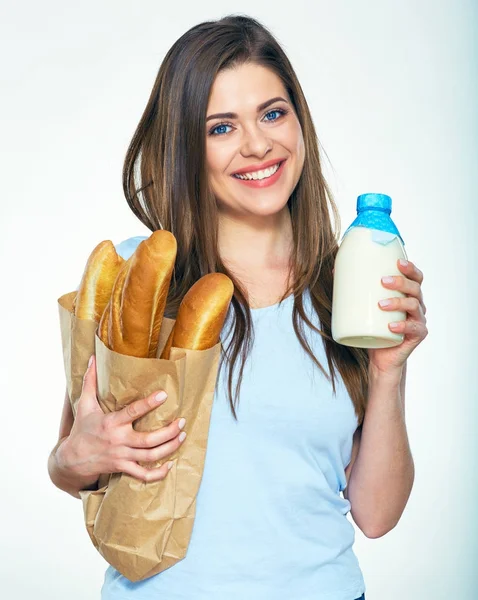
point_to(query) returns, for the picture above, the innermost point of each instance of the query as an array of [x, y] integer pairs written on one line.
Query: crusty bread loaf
[[95, 288], [201, 314], [132, 319], [104, 332]]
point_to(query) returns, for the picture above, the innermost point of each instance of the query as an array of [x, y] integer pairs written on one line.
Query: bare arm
[[61, 477], [382, 477], [94, 442], [355, 448]]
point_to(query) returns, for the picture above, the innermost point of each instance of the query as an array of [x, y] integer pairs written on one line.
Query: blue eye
[[271, 112], [221, 126], [219, 130]]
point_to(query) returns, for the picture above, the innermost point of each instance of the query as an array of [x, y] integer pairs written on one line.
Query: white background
[[392, 87]]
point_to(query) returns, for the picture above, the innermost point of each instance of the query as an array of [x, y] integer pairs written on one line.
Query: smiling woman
[[226, 158], [255, 130]]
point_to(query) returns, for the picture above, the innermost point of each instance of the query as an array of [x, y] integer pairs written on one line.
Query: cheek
[[293, 140], [301, 151], [212, 164], [217, 160], [299, 147], [216, 166], [299, 139]]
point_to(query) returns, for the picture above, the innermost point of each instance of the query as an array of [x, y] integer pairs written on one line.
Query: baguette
[[96, 285], [132, 319], [201, 314], [104, 331]]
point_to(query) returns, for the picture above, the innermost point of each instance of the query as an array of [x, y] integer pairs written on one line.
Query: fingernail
[[394, 325], [161, 397], [182, 436], [182, 423], [170, 465], [387, 279], [384, 302], [404, 263], [90, 362]]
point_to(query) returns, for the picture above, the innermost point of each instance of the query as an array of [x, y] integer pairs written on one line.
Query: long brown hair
[[166, 186]]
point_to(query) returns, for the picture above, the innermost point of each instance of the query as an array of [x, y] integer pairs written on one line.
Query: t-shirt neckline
[[262, 309]]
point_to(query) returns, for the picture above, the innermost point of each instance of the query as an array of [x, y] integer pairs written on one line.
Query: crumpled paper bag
[[142, 528]]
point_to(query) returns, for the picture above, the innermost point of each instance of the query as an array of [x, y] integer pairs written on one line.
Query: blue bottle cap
[[376, 201], [373, 211]]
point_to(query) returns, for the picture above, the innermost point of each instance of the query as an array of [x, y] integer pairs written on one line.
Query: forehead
[[242, 88]]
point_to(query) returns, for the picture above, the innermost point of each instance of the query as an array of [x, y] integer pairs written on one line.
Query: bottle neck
[[385, 210]]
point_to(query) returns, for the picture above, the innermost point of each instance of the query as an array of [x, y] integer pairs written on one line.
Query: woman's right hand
[[107, 443]]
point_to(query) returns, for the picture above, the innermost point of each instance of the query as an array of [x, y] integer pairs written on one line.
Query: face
[[260, 132]]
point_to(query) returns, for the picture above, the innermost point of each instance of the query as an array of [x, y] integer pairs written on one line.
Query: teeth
[[258, 174]]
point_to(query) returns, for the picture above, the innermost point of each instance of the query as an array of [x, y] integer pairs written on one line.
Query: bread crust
[[201, 314], [137, 303], [96, 285]]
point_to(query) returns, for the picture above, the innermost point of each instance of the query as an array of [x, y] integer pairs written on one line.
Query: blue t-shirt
[[270, 521]]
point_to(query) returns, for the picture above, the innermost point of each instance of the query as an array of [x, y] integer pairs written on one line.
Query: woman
[[226, 158]]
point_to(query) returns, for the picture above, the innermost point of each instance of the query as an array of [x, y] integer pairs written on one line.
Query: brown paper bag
[[142, 528]]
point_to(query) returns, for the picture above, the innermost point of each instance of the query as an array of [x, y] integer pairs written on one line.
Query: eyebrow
[[231, 115]]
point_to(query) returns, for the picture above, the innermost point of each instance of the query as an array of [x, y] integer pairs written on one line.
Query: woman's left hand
[[414, 327]]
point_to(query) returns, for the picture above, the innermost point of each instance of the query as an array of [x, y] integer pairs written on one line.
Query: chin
[[268, 210], [261, 208], [252, 202], [260, 204]]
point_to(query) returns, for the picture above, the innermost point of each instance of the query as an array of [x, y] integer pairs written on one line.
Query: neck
[[258, 243]]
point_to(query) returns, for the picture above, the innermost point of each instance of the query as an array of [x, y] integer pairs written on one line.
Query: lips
[[260, 167], [263, 183], [265, 173]]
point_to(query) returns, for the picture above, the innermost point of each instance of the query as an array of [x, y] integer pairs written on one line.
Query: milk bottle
[[369, 250]]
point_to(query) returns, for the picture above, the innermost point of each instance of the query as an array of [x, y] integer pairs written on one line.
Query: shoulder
[[126, 248]]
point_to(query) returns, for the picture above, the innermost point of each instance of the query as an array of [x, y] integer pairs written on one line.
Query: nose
[[255, 143]]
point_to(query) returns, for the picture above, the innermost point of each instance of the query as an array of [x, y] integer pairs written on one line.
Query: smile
[[262, 178], [259, 174]]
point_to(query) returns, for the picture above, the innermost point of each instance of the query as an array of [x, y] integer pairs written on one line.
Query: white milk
[[360, 264]]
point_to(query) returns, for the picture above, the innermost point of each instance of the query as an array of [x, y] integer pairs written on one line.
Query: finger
[[406, 286], [88, 400], [89, 378], [144, 474], [157, 453], [414, 329], [408, 305], [150, 439], [138, 408], [411, 271]]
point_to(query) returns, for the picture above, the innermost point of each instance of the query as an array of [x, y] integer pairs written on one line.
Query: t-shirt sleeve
[[126, 248]]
